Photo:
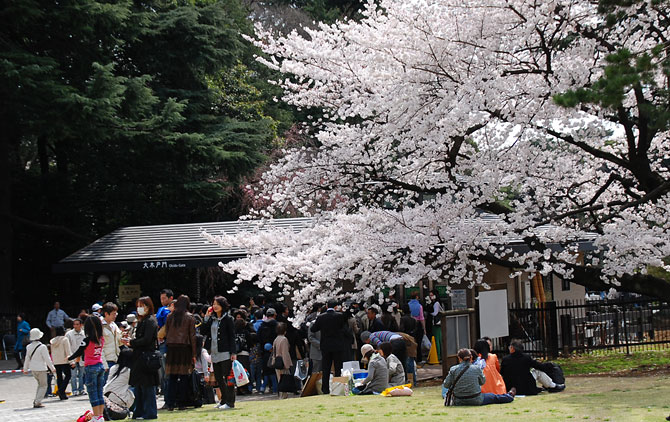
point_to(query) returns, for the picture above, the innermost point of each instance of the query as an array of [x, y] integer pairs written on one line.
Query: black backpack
[[555, 372]]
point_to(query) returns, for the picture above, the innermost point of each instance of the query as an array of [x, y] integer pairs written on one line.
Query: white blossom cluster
[[427, 112]]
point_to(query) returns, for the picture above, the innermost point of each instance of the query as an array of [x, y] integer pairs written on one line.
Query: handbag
[[275, 362], [449, 399], [152, 360]]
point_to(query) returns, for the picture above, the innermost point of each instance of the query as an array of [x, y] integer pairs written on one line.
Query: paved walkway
[[18, 390]]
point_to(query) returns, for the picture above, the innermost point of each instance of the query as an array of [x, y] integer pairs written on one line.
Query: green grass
[[614, 362], [586, 398]]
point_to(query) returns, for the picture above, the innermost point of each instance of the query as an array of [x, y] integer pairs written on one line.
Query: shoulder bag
[[275, 362], [449, 399]]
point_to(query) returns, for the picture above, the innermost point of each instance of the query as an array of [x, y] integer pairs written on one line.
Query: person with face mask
[[141, 377]]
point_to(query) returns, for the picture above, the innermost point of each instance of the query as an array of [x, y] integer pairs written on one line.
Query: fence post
[[552, 329], [625, 329], [566, 333], [616, 325]]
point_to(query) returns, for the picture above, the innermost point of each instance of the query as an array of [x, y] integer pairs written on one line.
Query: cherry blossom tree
[[448, 130]]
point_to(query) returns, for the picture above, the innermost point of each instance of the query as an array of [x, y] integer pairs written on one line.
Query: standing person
[[219, 325], [38, 362], [314, 341], [416, 312], [243, 341], [437, 321], [94, 365], [166, 297], [181, 348], [60, 350], [142, 378], [280, 348], [490, 367], [267, 331], [22, 336], [333, 326], [256, 355], [75, 336], [112, 334], [374, 324], [132, 326], [56, 318]]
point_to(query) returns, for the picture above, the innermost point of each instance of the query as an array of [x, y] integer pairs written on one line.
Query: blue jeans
[[109, 368], [94, 376], [162, 348], [490, 398], [256, 376], [145, 402], [77, 380], [270, 379], [410, 366]]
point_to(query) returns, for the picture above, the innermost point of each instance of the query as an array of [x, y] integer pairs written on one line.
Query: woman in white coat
[[38, 362]]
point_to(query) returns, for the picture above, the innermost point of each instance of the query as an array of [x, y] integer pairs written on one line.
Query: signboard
[[493, 317], [441, 291], [459, 299], [129, 292], [409, 291]]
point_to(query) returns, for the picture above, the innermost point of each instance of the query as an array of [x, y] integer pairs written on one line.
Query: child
[[94, 365], [38, 362]]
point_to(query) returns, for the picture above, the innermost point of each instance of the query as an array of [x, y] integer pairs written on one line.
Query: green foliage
[[123, 112]]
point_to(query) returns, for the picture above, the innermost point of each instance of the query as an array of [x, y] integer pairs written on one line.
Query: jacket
[[60, 350], [396, 371], [37, 358], [117, 390], [225, 336], [314, 345], [378, 375], [145, 340], [515, 370], [22, 331], [468, 390], [75, 338], [491, 369], [182, 334], [112, 335], [334, 329]]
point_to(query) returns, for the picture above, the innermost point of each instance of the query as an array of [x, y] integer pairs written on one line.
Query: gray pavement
[[18, 390]]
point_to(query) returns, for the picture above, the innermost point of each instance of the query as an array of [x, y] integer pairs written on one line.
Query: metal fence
[[550, 328]]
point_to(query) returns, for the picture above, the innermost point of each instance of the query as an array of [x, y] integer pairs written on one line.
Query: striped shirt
[[379, 337]]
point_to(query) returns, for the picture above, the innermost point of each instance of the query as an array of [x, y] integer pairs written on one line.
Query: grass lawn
[[608, 362], [586, 398]]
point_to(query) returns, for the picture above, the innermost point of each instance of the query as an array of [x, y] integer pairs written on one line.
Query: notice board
[[493, 318]]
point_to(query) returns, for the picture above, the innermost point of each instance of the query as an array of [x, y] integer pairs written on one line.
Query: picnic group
[[198, 354]]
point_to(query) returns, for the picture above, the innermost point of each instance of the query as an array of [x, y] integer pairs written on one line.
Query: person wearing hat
[[38, 362], [95, 309], [131, 319], [378, 373]]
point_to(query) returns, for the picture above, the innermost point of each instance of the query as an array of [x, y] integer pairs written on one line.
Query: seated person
[[117, 393], [396, 372], [490, 367], [468, 380], [378, 374], [523, 372]]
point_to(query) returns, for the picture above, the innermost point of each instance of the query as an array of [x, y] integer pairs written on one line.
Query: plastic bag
[[425, 344], [241, 377], [339, 386], [301, 369]]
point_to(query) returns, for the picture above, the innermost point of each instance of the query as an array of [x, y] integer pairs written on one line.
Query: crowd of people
[[189, 353]]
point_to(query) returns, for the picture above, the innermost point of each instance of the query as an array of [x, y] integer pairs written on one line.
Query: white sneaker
[[226, 407]]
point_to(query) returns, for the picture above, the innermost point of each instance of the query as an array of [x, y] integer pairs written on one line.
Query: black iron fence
[[551, 328]]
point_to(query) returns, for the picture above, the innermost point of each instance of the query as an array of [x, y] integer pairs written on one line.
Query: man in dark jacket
[[333, 326], [374, 323], [523, 372]]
